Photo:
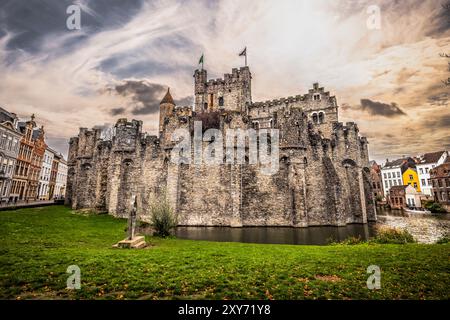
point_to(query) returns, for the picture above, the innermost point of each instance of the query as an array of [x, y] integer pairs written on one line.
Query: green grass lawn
[[37, 246]]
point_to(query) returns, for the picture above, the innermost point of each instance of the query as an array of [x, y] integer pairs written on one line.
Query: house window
[[399, 182], [316, 97], [411, 177], [389, 175], [423, 182], [415, 185], [220, 101], [398, 174], [421, 170], [314, 118]]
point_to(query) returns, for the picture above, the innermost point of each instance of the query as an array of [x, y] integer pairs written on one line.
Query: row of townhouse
[[408, 181], [24, 159]]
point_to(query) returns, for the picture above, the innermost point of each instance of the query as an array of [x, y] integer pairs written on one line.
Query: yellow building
[[410, 177]]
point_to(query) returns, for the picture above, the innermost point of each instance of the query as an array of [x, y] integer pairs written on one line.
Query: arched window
[[314, 118], [321, 117]]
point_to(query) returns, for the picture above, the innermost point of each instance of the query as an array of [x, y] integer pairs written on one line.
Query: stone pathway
[[24, 204]]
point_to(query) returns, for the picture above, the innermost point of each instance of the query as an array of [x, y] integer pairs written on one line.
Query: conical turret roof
[[167, 98]]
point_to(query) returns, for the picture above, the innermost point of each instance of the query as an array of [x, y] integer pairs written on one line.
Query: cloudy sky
[[127, 53]]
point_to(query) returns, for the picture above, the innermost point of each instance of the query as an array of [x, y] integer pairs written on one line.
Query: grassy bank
[[37, 245]]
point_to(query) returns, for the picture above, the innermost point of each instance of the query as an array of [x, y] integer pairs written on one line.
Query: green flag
[[201, 60]]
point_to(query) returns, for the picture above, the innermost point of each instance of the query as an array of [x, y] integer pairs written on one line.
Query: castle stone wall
[[323, 176]]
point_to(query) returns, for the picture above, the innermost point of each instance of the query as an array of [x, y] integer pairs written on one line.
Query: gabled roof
[[167, 98], [432, 157], [394, 163], [7, 116]]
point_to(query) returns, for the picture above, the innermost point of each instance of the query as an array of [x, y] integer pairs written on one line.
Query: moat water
[[424, 228]]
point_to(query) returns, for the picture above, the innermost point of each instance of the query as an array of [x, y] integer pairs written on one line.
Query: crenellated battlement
[[232, 92], [300, 100]]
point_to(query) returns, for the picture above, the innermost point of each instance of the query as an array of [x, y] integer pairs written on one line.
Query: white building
[[391, 173], [61, 179], [9, 150], [44, 177], [427, 162], [413, 197]]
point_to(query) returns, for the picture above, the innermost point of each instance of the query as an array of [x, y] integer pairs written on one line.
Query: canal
[[424, 228]]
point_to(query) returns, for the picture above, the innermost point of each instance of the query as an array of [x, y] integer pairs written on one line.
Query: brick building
[[377, 181], [440, 181], [397, 197], [29, 161]]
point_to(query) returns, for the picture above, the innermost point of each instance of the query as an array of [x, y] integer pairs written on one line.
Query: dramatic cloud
[[117, 111], [381, 109], [146, 96], [138, 48]]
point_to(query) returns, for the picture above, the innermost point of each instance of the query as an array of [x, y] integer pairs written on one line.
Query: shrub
[[434, 207], [353, 240], [163, 218], [348, 241], [392, 235], [443, 240]]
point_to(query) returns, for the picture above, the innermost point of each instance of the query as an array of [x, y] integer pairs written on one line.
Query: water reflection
[[277, 235]]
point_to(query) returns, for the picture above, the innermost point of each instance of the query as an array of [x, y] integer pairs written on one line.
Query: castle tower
[[230, 93], [166, 107], [201, 78]]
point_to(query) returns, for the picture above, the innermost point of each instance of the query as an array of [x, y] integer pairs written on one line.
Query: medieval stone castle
[[323, 176]]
